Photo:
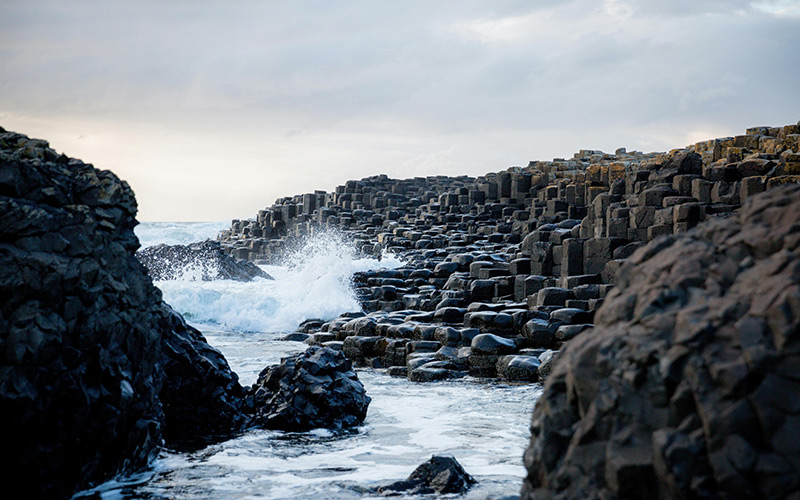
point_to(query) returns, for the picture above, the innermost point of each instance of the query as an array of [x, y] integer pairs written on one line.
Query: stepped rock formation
[[204, 260], [688, 386], [501, 271], [504, 269]]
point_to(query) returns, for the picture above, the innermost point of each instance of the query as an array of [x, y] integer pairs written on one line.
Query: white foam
[[314, 282], [177, 233]]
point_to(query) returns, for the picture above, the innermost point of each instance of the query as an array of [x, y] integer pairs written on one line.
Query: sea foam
[[177, 233], [313, 282]]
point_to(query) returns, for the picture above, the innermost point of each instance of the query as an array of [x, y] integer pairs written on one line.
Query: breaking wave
[[313, 282]]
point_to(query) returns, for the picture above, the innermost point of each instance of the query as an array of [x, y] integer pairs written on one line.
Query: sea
[[483, 423]]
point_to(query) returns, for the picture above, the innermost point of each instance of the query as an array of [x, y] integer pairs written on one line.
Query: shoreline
[[519, 259]]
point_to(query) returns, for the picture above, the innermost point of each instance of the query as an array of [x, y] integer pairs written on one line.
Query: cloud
[[347, 89]]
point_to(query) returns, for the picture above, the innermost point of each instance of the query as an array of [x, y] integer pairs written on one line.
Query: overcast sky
[[212, 110]]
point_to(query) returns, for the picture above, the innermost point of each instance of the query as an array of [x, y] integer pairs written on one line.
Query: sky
[[212, 110]]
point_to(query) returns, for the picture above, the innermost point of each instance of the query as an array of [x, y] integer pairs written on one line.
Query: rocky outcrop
[[688, 386], [201, 396], [315, 388], [440, 475], [203, 261], [528, 254], [94, 370]]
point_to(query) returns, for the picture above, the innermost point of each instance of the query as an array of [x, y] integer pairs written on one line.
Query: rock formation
[[94, 369], [78, 316], [504, 269], [688, 386], [96, 372], [203, 260], [315, 388], [201, 396], [440, 475], [501, 272]]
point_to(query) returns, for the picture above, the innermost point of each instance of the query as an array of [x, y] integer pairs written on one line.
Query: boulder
[[205, 260], [546, 361], [688, 385], [440, 474], [518, 368], [312, 389]]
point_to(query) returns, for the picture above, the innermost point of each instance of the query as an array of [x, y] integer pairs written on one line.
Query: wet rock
[[546, 361], [435, 370], [486, 349], [539, 332], [487, 343], [312, 389], [571, 316], [449, 314], [687, 386], [568, 332], [201, 397], [95, 371], [489, 321], [357, 348], [518, 368], [204, 260], [295, 337], [440, 474]]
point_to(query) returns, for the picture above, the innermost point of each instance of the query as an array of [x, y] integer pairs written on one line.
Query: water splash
[[177, 233], [312, 282]]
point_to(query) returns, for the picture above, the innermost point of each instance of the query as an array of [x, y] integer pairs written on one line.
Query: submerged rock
[[312, 389], [688, 386], [94, 369], [205, 260], [440, 474]]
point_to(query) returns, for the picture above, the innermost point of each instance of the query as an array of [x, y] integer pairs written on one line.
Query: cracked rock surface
[[689, 384]]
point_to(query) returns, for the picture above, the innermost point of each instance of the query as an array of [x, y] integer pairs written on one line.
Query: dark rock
[[539, 332], [295, 337], [432, 371], [205, 260], [684, 388], [315, 388], [440, 474], [201, 397], [518, 368], [487, 343], [449, 314], [95, 370], [571, 315], [546, 361], [568, 332], [358, 348]]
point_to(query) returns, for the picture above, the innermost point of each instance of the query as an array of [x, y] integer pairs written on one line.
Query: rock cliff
[[92, 364], [688, 386]]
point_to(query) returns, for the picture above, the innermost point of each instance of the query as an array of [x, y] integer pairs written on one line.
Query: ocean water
[[483, 423], [178, 233]]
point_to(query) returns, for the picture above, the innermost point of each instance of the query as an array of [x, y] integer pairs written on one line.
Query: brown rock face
[[689, 385]]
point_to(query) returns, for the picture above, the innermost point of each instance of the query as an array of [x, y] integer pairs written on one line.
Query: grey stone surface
[[688, 385]]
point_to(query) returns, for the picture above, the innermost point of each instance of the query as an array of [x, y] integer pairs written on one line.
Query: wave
[[177, 233], [313, 282]]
